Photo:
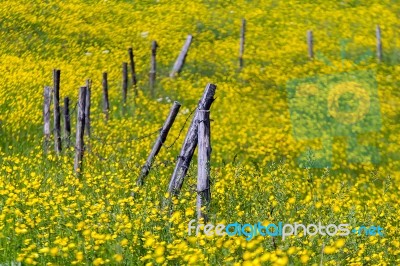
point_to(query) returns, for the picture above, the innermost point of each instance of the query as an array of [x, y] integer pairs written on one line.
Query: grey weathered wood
[[203, 163], [242, 40], [190, 143], [124, 81], [153, 67], [80, 129], [159, 142], [46, 117], [379, 53], [87, 106], [106, 104], [67, 123], [57, 115], [310, 44], [181, 58], [133, 72]]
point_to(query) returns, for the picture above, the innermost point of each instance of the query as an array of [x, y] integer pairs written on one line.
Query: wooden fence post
[[57, 116], [204, 153], [124, 82], [80, 128], [106, 104], [190, 143], [159, 142], [379, 53], [133, 72], [242, 40], [67, 122], [310, 44], [46, 117], [181, 58], [87, 107], [153, 67]]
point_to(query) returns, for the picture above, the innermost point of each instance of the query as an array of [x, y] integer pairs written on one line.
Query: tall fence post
[[153, 68], [80, 128], [106, 104], [203, 165], [87, 106], [190, 143], [57, 116], [242, 40], [67, 123], [379, 53], [310, 44], [159, 142], [133, 72], [181, 58], [46, 117], [124, 82]]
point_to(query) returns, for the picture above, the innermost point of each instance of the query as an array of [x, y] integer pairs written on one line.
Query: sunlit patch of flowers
[[51, 216]]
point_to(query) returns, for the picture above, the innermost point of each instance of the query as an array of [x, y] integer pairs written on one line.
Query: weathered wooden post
[[67, 122], [242, 40], [310, 44], [153, 67], [133, 72], [106, 104], [190, 143], [57, 116], [181, 58], [379, 53], [46, 117], [87, 107], [80, 129], [124, 81], [159, 142], [203, 170]]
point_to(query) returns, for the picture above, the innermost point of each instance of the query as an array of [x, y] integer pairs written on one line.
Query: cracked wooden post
[[153, 68], [80, 128], [46, 117], [310, 44], [203, 163], [87, 106], [57, 116], [159, 142], [67, 123], [379, 53], [242, 40], [190, 143], [124, 82], [106, 104], [181, 58], [133, 72]]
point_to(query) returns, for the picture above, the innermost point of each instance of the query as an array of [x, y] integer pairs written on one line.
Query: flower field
[[49, 216]]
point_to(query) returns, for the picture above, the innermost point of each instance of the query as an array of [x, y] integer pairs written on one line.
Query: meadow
[[48, 216]]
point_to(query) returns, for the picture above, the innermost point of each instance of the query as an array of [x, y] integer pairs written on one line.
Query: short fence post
[[106, 104], [204, 153], [57, 116], [67, 122], [242, 40], [80, 128], [190, 143], [379, 53], [181, 58], [87, 107], [159, 142], [46, 117], [153, 67], [310, 43], [124, 82], [133, 72]]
